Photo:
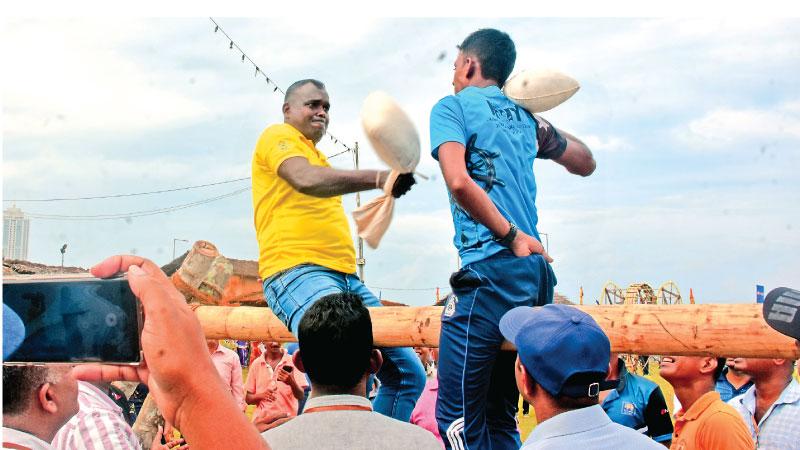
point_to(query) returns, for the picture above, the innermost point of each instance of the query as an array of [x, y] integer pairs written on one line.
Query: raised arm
[[322, 181]]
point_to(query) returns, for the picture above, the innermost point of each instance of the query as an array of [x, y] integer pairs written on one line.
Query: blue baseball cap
[[562, 348], [13, 331]]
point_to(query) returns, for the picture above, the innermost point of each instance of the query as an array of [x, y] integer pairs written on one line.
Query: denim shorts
[[291, 292]]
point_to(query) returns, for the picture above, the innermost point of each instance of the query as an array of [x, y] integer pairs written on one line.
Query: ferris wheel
[[612, 294], [669, 294]]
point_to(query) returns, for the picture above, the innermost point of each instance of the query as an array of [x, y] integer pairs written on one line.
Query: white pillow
[[390, 131], [540, 90]]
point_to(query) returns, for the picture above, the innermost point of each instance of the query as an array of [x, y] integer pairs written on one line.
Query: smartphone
[[75, 320]]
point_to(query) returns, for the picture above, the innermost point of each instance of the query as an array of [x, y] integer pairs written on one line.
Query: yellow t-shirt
[[294, 228]]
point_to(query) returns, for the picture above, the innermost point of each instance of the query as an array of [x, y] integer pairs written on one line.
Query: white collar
[[23, 438]]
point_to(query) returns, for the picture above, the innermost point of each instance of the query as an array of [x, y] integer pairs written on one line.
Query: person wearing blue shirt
[[561, 367], [637, 403], [487, 146], [732, 383]]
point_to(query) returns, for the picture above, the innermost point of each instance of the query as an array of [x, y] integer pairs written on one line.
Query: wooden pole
[[721, 330]]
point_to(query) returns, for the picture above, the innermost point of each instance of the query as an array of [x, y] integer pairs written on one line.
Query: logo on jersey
[[505, 113], [480, 165], [629, 409], [450, 306]]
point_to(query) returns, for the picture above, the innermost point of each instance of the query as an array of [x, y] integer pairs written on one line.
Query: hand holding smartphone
[[75, 320]]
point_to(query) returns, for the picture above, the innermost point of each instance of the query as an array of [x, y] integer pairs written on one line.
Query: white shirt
[[586, 428], [99, 424], [780, 426], [24, 439]]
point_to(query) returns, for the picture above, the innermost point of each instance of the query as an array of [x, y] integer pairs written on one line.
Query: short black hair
[[495, 50], [720, 368], [19, 383], [300, 83], [335, 336]]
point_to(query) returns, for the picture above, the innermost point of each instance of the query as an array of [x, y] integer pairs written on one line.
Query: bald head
[[300, 83]]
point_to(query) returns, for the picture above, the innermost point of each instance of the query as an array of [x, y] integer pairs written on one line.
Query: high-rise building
[[15, 234]]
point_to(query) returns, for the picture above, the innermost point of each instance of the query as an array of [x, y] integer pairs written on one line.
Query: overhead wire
[[96, 197], [135, 213]]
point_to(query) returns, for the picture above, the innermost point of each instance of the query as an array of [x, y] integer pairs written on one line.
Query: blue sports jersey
[[639, 404], [502, 141]]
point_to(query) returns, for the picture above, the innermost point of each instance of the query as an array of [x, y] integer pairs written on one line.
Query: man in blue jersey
[[637, 403], [486, 147]]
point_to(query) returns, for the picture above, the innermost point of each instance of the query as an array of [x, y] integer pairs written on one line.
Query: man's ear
[[47, 398], [375, 361], [709, 364], [523, 378], [298, 361], [472, 66], [285, 108]]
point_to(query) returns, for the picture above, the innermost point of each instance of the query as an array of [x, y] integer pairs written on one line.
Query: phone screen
[[75, 321]]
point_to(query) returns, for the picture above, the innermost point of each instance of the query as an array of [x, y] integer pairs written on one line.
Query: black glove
[[403, 184]]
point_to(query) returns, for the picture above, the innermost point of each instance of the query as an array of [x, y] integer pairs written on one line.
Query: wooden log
[[147, 422], [709, 329]]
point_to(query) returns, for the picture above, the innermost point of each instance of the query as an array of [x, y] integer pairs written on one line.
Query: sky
[[694, 124]]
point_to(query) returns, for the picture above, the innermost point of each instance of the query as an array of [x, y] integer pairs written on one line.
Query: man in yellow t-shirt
[[305, 246]]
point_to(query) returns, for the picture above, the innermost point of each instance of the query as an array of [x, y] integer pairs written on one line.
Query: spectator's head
[[485, 55], [212, 345], [700, 371], [39, 399], [762, 369], [274, 348], [562, 356], [306, 107], [335, 336], [428, 356]]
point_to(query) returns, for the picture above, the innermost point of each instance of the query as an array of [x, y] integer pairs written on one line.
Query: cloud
[[609, 144], [69, 76], [720, 128]]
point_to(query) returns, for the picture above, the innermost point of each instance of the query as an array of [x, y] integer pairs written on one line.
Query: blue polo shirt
[[639, 404], [502, 141], [727, 390]]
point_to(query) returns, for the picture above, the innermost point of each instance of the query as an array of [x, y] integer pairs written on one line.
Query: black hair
[[19, 383], [300, 83], [495, 50], [335, 336]]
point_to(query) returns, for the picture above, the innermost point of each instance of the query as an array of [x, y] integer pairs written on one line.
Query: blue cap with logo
[[562, 348]]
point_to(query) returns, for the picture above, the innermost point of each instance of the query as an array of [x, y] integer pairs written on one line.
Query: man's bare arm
[[577, 158], [477, 203], [320, 181]]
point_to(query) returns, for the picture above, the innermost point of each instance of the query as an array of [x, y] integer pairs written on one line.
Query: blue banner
[[759, 293]]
